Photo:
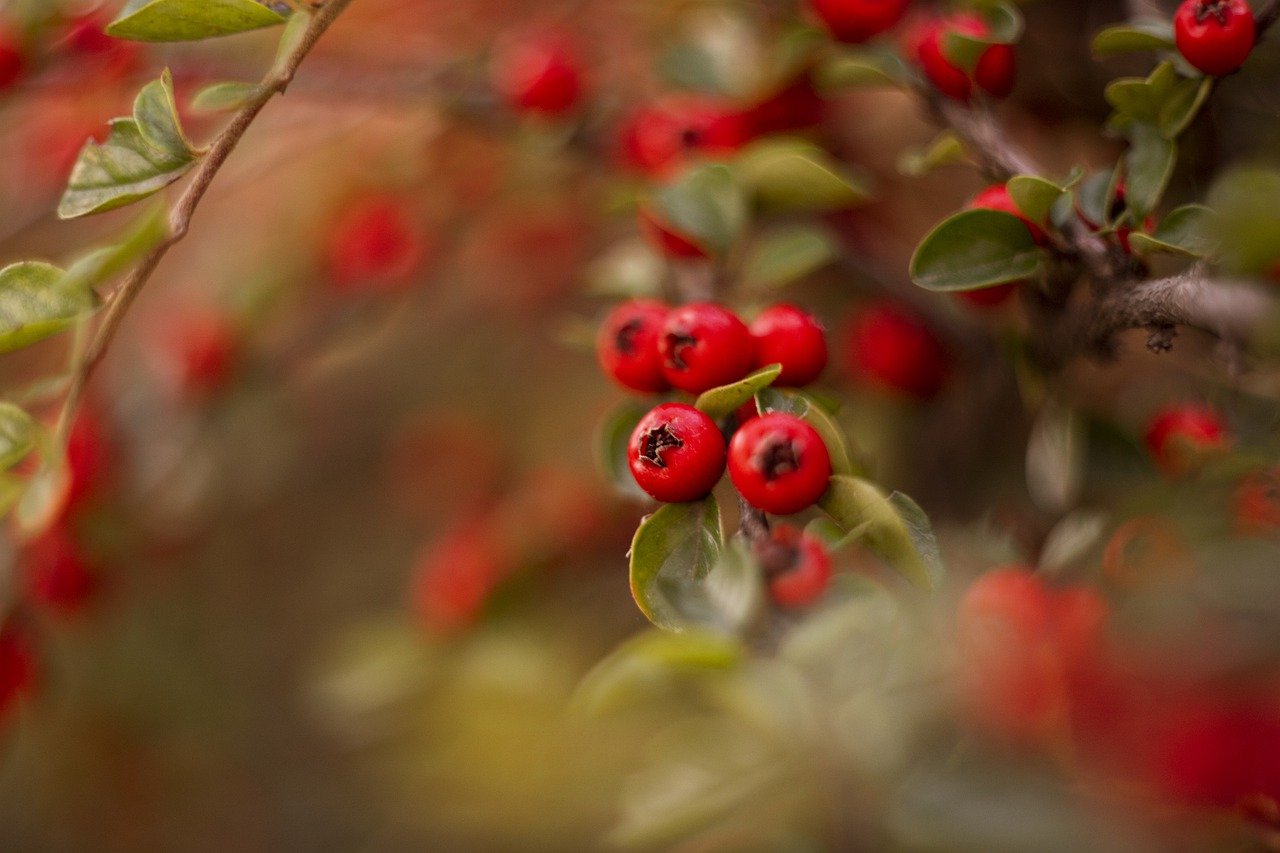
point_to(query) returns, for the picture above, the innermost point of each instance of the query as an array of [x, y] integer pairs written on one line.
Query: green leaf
[[18, 432], [946, 149], [852, 68], [707, 205], [294, 31], [1165, 99], [1249, 223], [190, 20], [789, 255], [612, 440], [1149, 165], [671, 554], [725, 400], [223, 96], [895, 529], [141, 156], [1005, 27], [634, 671], [1183, 105], [796, 175], [973, 249], [1133, 38], [1191, 231], [805, 406], [1034, 196], [735, 587], [35, 303]]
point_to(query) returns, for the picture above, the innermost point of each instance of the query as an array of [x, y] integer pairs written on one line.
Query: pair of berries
[[649, 347], [777, 462], [1215, 36], [993, 72]]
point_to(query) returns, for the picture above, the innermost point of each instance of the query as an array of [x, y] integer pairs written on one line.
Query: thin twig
[[180, 216]]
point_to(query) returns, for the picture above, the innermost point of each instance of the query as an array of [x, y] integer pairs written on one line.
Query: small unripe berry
[[1181, 436], [627, 345], [539, 73], [1215, 36], [787, 335], [676, 453], [891, 348], [703, 346], [797, 567], [856, 21], [663, 136], [666, 239], [993, 73], [779, 463]]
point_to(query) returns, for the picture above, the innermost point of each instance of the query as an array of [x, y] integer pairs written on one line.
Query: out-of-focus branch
[[182, 212]]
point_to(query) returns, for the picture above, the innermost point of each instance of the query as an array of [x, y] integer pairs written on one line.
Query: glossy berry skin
[[798, 567], [676, 453], [666, 239], [374, 247], [890, 348], [779, 463], [787, 335], [994, 72], [661, 137], [539, 73], [1181, 436], [856, 21], [1215, 36], [13, 63], [703, 346], [627, 345]]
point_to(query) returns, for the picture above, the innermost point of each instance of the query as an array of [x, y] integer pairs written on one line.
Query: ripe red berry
[[627, 345], [57, 573], [374, 246], [1257, 503], [798, 567], [89, 453], [855, 21], [663, 237], [786, 335], [455, 577], [795, 106], [19, 669], [993, 73], [891, 348], [779, 463], [202, 350], [704, 345], [660, 138], [1180, 436], [539, 73], [1215, 36], [676, 453], [13, 61]]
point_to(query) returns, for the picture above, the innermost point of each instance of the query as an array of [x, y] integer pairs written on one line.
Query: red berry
[[1215, 36], [57, 573], [627, 345], [676, 453], [539, 73], [1180, 436], [86, 38], [455, 576], [795, 106], [855, 21], [660, 138], [374, 246], [1257, 503], [798, 567], [779, 463], [88, 458], [704, 345], [892, 349], [13, 62], [994, 71], [204, 348], [786, 335], [19, 670], [666, 239]]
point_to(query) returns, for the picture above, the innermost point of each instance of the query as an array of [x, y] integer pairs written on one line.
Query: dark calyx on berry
[[679, 342], [657, 440], [776, 456]]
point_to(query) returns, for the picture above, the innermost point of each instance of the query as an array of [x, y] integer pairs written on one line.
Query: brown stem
[[181, 214]]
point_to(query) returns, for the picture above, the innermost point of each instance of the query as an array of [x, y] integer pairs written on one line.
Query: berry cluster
[[777, 461]]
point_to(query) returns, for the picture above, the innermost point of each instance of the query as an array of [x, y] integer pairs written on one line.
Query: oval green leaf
[[893, 528], [190, 20], [725, 400], [672, 552], [974, 249], [36, 304]]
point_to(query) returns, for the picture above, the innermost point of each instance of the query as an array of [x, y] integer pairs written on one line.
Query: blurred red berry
[[57, 574], [797, 567], [663, 136], [13, 62], [85, 38], [1256, 503], [795, 106], [204, 348], [993, 73], [891, 348], [704, 345], [374, 246], [779, 463], [666, 239], [676, 453], [1215, 36], [856, 21], [539, 73], [19, 667], [1180, 437], [792, 337], [455, 577]]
